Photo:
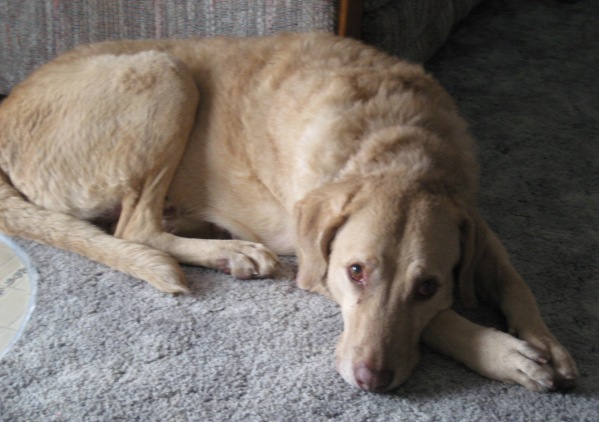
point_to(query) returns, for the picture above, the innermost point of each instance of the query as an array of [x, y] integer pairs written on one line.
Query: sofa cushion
[[34, 31], [412, 29]]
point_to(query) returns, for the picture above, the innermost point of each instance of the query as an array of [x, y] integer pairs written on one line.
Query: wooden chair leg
[[350, 18]]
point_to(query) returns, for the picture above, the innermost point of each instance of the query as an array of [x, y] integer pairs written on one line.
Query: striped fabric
[[34, 31]]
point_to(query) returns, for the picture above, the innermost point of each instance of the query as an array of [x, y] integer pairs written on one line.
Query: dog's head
[[388, 255]]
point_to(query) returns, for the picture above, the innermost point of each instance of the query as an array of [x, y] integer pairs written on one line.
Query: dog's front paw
[[246, 260], [509, 359], [558, 358], [527, 366]]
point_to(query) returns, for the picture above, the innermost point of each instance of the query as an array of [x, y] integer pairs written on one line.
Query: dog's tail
[[19, 217]]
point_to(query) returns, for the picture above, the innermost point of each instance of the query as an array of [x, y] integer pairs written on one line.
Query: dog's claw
[[567, 383]]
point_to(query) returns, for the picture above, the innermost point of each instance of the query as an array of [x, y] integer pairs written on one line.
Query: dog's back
[[288, 111]]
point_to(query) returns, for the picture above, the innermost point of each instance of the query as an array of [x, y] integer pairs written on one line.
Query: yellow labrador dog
[[307, 144]]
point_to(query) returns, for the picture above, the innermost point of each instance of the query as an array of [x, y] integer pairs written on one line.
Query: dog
[[131, 153]]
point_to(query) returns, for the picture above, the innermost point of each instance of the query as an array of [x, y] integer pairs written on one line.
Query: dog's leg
[[163, 101], [22, 218], [535, 358], [141, 221], [490, 352], [83, 133], [502, 286]]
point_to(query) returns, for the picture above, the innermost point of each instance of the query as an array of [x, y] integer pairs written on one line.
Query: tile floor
[[15, 293]]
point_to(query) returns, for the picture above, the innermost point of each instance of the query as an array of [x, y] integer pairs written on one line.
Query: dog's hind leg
[[141, 221], [84, 134], [142, 205], [87, 135], [18, 217]]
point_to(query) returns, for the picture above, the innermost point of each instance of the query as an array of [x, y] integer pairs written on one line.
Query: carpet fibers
[[101, 346]]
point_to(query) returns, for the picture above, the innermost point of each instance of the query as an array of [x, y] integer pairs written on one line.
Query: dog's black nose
[[371, 380]]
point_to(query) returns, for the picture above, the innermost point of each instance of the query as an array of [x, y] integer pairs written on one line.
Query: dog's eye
[[426, 289], [357, 274]]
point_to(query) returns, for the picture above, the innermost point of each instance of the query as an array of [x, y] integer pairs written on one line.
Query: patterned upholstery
[[34, 31]]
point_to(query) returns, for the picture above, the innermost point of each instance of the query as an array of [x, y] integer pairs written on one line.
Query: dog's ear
[[468, 261], [484, 264], [318, 216]]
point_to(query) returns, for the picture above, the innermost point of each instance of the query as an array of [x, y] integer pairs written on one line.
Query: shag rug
[[101, 346]]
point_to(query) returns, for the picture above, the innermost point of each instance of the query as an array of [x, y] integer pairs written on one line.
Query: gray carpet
[[104, 347]]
